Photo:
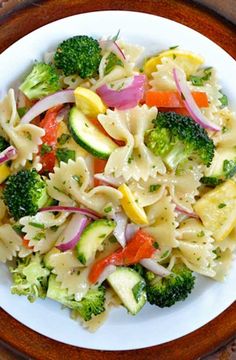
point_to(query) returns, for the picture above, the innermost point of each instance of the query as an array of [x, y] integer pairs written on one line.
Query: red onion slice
[[90, 213], [111, 45], [8, 154], [189, 102], [126, 98], [72, 233], [156, 268], [60, 97], [119, 232], [131, 229], [106, 272], [185, 212], [109, 180]]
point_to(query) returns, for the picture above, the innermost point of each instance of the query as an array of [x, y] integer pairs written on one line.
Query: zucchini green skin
[[88, 136], [92, 238], [123, 281]]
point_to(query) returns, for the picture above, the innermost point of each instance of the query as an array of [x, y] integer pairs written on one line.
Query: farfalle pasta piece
[[43, 230], [195, 247], [226, 138], [133, 160], [70, 273], [229, 242], [72, 180], [162, 219], [183, 186], [147, 192], [223, 264], [10, 243], [25, 137]]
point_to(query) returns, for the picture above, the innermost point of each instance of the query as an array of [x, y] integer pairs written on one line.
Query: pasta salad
[[117, 178]]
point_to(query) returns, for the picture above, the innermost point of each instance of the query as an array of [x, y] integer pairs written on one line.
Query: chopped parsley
[[45, 149], [200, 234], [224, 100], [112, 61], [221, 205], [199, 80], [154, 187], [229, 168], [65, 155], [62, 140], [22, 111], [37, 225], [78, 179], [173, 47], [108, 209]]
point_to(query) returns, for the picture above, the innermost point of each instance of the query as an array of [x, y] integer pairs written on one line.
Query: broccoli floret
[[3, 144], [30, 277], [165, 292], [78, 55], [42, 81], [92, 303], [25, 193], [223, 167], [176, 138]]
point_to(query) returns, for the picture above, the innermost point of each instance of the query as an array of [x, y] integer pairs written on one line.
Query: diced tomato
[[99, 166], [50, 125], [25, 243], [172, 99], [138, 248]]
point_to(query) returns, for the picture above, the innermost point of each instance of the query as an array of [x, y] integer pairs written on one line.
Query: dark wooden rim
[[215, 333]]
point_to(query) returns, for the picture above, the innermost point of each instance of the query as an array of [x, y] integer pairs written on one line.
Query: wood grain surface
[[206, 339]]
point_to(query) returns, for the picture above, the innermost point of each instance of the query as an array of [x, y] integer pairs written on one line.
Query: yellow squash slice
[[187, 60], [135, 212], [217, 209], [89, 102], [4, 173]]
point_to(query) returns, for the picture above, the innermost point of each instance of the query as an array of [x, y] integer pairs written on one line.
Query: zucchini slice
[[130, 287], [92, 238], [88, 136]]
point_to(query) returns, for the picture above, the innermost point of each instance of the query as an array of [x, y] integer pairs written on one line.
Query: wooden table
[[15, 337]]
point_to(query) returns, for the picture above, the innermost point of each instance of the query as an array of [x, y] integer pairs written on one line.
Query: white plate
[[152, 326]]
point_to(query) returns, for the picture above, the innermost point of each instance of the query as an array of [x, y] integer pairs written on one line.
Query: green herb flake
[[62, 140], [165, 254], [112, 61], [37, 225], [18, 229], [156, 245], [201, 234], [39, 236], [54, 228], [154, 187], [199, 80], [137, 290], [221, 205], [77, 178], [112, 239], [65, 155], [130, 159], [108, 209], [174, 56], [102, 236], [22, 111], [224, 129], [173, 47], [229, 168], [45, 149], [224, 100]]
